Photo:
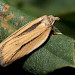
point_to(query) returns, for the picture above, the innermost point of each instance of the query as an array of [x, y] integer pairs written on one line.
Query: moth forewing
[[26, 39], [22, 29], [31, 46]]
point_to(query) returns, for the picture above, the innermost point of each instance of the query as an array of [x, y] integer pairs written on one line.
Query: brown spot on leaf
[[6, 8], [9, 17], [2, 15], [17, 23], [5, 25], [21, 19]]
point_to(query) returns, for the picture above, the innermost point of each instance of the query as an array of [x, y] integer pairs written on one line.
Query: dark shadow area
[[15, 68], [63, 71]]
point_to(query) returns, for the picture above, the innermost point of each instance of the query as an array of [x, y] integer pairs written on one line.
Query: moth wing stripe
[[22, 28], [17, 32], [35, 44], [23, 52], [5, 55], [31, 28], [37, 30]]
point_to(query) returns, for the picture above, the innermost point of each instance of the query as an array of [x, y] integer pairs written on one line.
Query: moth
[[26, 39]]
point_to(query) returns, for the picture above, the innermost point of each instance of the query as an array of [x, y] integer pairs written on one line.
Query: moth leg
[[54, 31]]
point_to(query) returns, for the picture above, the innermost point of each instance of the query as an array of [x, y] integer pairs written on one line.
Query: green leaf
[[56, 53]]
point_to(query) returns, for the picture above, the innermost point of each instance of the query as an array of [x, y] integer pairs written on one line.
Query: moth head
[[52, 19], [49, 20]]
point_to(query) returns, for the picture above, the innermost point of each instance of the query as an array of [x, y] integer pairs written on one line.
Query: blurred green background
[[65, 9]]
